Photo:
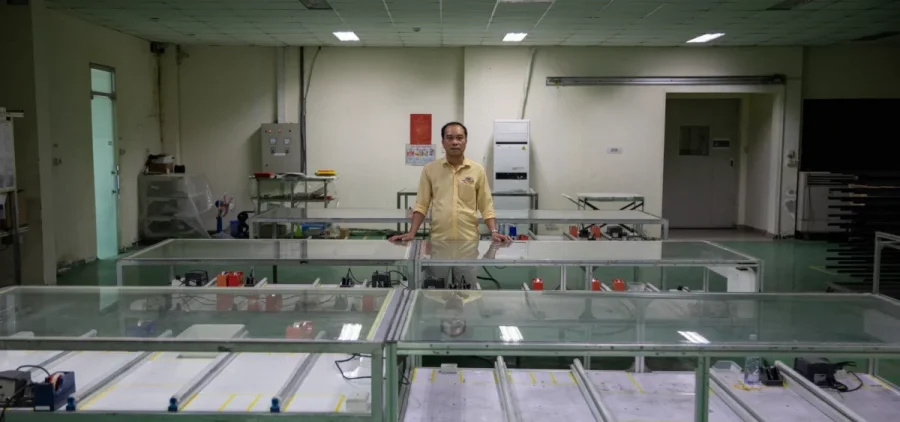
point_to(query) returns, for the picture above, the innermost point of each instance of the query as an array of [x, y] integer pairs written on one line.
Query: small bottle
[[752, 367]]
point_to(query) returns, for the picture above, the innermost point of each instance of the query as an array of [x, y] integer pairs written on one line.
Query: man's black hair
[[444, 129]]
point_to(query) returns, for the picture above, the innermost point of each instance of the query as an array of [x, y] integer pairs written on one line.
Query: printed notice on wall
[[420, 129], [419, 155]]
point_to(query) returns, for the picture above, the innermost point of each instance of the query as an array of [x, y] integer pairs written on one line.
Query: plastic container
[[752, 367]]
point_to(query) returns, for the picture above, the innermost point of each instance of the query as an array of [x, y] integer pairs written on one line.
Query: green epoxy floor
[[790, 266]]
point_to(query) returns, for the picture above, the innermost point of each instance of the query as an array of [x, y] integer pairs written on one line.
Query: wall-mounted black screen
[[850, 135]]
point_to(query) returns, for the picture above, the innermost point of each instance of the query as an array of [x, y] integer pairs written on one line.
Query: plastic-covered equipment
[[175, 205]]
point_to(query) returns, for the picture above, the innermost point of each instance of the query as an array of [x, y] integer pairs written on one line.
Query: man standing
[[456, 189]]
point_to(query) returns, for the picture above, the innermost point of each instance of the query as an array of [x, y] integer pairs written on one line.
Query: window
[[694, 140]]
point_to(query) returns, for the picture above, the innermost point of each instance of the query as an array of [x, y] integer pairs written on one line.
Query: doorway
[[701, 159], [106, 170]]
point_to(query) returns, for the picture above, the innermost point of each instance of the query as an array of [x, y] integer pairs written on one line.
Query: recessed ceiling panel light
[[514, 37], [346, 36], [706, 38]]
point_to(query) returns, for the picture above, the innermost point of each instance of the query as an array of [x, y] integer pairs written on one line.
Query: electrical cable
[[490, 277], [35, 367]]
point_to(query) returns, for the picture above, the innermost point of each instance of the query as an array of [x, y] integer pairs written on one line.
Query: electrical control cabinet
[[281, 152], [511, 162]]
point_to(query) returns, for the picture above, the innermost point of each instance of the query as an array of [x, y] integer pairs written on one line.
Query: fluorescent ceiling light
[[514, 37], [694, 337], [510, 334], [706, 37], [346, 36], [350, 332]]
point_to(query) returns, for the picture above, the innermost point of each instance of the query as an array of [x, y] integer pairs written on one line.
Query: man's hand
[[500, 237], [406, 237]]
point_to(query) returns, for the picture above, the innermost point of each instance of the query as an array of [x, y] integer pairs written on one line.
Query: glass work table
[[188, 253], [703, 328], [134, 351], [743, 273], [533, 200], [635, 220]]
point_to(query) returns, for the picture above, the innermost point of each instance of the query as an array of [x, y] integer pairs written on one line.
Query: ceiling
[[485, 22]]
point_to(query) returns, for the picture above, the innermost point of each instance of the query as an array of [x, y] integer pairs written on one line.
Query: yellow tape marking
[[340, 402], [509, 376], [288, 404], [461, 378], [553, 378], [253, 403], [878, 380], [433, 374], [496, 381], [224, 405], [378, 318], [533, 381], [155, 355], [573, 378], [634, 381], [188, 403], [415, 371], [98, 397]]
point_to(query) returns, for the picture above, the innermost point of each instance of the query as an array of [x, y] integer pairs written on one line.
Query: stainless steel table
[[636, 219], [405, 193], [269, 252], [710, 256], [585, 200]]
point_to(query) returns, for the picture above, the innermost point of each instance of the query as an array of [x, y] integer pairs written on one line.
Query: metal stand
[[12, 230]]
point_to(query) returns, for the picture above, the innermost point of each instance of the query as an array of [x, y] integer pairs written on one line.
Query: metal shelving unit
[[288, 194], [8, 187]]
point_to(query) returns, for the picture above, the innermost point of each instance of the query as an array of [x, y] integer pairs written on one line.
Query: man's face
[[454, 141]]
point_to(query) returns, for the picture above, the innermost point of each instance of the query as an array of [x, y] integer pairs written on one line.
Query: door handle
[[117, 189]]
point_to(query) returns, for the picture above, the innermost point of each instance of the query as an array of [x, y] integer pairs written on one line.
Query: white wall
[[759, 150], [358, 115], [76, 44], [360, 99], [226, 93], [572, 127]]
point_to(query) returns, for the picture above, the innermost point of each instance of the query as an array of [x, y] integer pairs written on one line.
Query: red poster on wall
[[420, 129]]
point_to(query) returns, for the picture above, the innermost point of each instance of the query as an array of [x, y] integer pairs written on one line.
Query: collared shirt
[[454, 195]]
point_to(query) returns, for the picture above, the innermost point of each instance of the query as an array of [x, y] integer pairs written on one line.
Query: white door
[[700, 177]]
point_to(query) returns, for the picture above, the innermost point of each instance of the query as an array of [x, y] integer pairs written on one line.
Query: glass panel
[[282, 250], [102, 81], [670, 319], [265, 313], [694, 140], [549, 252], [105, 190]]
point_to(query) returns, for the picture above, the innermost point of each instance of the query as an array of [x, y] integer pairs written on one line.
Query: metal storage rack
[[636, 219], [253, 252], [633, 201], [702, 326], [9, 187], [221, 365], [711, 257], [288, 194]]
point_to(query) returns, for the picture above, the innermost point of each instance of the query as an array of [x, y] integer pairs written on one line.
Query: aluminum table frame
[[138, 259], [398, 347]]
